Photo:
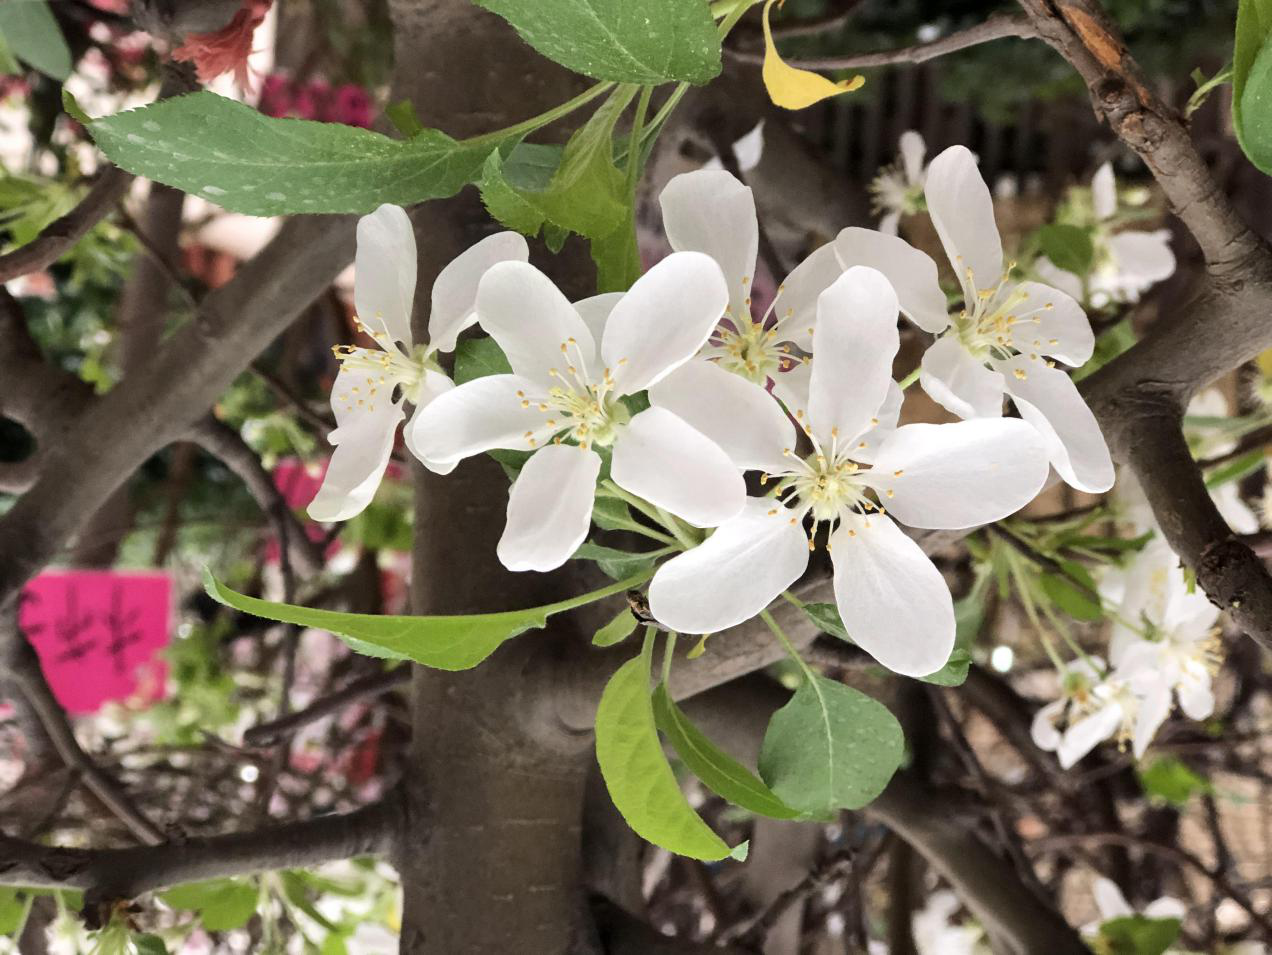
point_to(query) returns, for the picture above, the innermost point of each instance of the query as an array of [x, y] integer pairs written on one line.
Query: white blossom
[[898, 189]]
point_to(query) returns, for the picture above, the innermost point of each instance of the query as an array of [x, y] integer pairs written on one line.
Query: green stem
[[786, 643], [655, 514], [678, 529], [592, 596], [792, 599], [536, 122], [669, 652], [910, 379]]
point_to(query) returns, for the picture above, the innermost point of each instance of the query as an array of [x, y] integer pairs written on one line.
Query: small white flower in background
[[936, 932], [1209, 442], [1112, 904], [863, 471], [898, 189], [571, 366], [1164, 642], [373, 384], [748, 150], [1126, 265], [1052, 723], [999, 344], [710, 211]]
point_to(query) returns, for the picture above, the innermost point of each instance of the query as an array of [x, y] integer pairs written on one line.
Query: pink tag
[[97, 634]]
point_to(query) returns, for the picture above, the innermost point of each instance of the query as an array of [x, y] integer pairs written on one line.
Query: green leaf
[[9, 65], [629, 41], [1138, 935], [1110, 343], [149, 945], [954, 673], [1069, 247], [616, 631], [1172, 781], [441, 642], [636, 772], [831, 747], [247, 162], [32, 34], [719, 771], [403, 117], [827, 617], [1073, 591], [611, 514], [479, 358], [617, 258], [222, 904], [1236, 469], [505, 202], [12, 910], [969, 616], [615, 564], [1252, 82]]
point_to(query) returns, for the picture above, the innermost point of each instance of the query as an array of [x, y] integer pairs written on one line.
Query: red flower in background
[[226, 49]]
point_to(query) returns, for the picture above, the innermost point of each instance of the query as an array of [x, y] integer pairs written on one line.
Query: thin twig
[[267, 734], [751, 932], [997, 27]]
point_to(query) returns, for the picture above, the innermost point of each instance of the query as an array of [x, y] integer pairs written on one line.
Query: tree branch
[[267, 734], [997, 27], [108, 875]]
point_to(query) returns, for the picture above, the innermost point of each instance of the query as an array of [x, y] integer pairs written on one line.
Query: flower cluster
[[1164, 647], [669, 394]]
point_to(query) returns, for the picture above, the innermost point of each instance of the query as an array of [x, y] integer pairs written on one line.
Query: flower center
[[986, 325], [386, 368], [577, 407], [753, 353]]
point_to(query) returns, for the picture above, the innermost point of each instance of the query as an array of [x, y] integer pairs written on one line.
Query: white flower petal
[[549, 508], [959, 382], [455, 291], [749, 148], [664, 318], [530, 320], [894, 602], [791, 386], [1043, 728], [855, 343], [959, 475], [477, 416], [1061, 331], [1104, 192], [1051, 274], [1154, 707], [741, 417], [1049, 400], [1196, 698], [363, 446], [912, 273], [1165, 908], [962, 212], [384, 272], [734, 574], [595, 311], [913, 150], [796, 303], [1110, 900], [709, 211], [674, 466], [1087, 733], [1142, 258], [869, 443], [434, 384]]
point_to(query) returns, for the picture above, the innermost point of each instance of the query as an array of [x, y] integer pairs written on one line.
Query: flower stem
[[592, 596], [786, 643], [910, 379], [669, 652]]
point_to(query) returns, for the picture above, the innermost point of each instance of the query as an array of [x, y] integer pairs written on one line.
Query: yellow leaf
[[793, 88]]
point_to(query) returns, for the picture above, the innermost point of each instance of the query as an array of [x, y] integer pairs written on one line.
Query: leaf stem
[[582, 600], [787, 645], [910, 379], [669, 653], [536, 122]]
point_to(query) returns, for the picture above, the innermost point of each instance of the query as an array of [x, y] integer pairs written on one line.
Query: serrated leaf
[[31, 33], [637, 774], [719, 771], [616, 631], [629, 41], [827, 617], [479, 358], [244, 161], [1069, 247], [1137, 935], [504, 202], [831, 747], [442, 642], [222, 904]]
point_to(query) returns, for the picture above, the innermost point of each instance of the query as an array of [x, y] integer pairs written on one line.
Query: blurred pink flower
[[227, 48]]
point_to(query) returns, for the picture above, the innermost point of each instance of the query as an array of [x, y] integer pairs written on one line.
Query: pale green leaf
[[222, 904], [827, 617], [149, 945], [32, 34], [1137, 935], [719, 771], [1069, 247], [247, 162], [478, 358], [630, 41], [12, 909], [615, 564], [636, 772], [831, 747], [616, 631], [442, 642]]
